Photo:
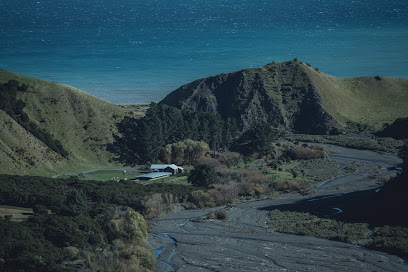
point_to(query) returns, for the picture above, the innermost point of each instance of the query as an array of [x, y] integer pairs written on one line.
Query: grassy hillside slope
[[371, 101], [81, 122], [296, 96]]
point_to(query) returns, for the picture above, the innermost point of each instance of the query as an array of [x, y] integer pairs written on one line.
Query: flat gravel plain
[[188, 241]]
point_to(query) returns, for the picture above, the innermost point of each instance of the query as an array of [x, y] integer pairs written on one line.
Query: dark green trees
[[257, 139], [75, 203], [203, 175], [144, 139]]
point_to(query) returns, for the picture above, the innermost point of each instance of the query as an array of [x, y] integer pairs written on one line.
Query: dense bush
[[87, 219], [390, 239], [230, 159], [203, 175]]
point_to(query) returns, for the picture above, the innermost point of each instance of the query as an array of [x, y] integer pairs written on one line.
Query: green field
[[17, 213], [119, 174]]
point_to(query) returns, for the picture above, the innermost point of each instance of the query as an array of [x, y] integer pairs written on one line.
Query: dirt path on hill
[[187, 241]]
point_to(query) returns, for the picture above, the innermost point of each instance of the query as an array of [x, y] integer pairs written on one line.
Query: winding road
[[187, 241]]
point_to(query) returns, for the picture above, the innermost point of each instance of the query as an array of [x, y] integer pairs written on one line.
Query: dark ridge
[[280, 94]]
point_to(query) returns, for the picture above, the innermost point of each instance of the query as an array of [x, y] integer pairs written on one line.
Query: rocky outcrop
[[281, 94]]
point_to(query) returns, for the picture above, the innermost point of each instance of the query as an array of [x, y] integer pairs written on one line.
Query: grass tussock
[[218, 214]]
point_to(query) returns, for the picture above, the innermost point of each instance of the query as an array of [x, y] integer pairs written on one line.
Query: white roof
[[154, 175], [164, 166]]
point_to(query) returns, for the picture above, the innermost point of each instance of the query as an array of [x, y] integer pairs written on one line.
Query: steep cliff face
[[297, 97], [280, 94]]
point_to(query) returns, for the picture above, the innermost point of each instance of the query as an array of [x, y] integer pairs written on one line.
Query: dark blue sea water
[[140, 50]]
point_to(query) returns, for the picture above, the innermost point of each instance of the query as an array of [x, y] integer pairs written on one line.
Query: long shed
[[154, 175]]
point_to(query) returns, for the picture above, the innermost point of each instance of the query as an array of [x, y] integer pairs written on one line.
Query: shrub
[[230, 158], [221, 214], [128, 227], [298, 152], [209, 161], [255, 178], [201, 199], [298, 185]]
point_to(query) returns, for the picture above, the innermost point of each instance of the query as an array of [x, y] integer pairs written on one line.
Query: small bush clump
[[298, 152], [299, 185], [221, 214]]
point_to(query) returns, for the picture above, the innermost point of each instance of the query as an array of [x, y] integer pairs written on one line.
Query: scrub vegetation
[[227, 133], [363, 142], [84, 223], [310, 225]]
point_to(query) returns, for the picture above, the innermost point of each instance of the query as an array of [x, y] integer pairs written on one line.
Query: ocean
[[128, 51]]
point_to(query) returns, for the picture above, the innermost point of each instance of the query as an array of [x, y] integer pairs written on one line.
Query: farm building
[[154, 175], [170, 168]]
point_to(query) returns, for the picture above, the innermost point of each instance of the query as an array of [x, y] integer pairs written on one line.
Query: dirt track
[[186, 241]]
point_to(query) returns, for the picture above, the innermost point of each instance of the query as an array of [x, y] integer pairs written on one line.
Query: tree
[[257, 139], [40, 210], [184, 152], [203, 175], [75, 204]]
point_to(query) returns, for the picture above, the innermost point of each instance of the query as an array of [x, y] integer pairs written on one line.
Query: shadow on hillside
[[377, 208]]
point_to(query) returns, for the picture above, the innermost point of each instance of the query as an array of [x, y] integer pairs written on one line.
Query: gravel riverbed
[[188, 241]]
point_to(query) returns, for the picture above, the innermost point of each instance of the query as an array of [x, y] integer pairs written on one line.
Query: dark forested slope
[[293, 95]]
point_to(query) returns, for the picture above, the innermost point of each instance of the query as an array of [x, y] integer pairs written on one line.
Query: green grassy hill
[[296, 96], [81, 122], [371, 101]]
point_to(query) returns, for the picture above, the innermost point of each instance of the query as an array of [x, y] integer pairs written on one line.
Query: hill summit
[[297, 97]]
